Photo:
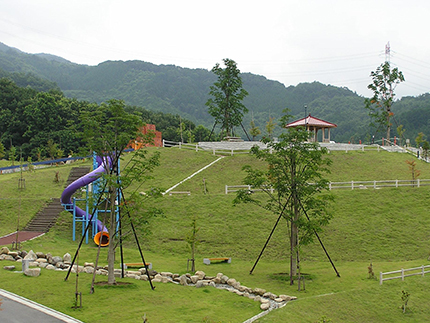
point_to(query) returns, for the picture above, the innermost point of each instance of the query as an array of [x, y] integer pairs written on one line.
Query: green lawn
[[387, 227]]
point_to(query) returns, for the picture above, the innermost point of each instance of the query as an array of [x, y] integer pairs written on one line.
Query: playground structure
[[94, 189]]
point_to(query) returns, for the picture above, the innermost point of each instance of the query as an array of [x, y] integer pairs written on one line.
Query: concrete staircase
[[47, 217]]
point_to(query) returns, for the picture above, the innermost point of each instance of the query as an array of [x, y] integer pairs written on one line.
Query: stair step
[[47, 217]]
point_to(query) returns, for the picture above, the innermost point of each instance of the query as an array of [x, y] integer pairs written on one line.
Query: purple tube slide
[[66, 196]]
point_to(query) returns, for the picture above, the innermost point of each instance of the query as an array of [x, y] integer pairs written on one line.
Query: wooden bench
[[138, 264], [208, 261]]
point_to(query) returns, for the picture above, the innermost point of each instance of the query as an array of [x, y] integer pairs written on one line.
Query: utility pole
[[387, 60]]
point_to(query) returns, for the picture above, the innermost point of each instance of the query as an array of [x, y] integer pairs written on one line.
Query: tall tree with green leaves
[[294, 186], [108, 130], [227, 93], [384, 81]]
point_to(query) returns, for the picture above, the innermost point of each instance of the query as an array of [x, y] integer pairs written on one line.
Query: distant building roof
[[310, 121]]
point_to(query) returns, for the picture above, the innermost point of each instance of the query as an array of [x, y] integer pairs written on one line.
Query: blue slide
[[102, 237]]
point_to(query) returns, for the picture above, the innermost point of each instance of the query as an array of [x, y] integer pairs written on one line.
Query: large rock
[[9, 268], [264, 306], [40, 254], [30, 256], [56, 259], [201, 274], [194, 279], [259, 291], [6, 257], [13, 254], [224, 279], [285, 297], [183, 280], [166, 274], [231, 281], [4, 251], [67, 258], [32, 272]]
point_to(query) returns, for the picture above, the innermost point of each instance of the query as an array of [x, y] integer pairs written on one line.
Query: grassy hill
[[388, 227]]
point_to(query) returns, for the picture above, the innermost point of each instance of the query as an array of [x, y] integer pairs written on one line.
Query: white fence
[[378, 184], [404, 273], [230, 151], [348, 185]]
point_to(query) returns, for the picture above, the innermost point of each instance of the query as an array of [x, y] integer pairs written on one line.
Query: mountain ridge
[[184, 91]]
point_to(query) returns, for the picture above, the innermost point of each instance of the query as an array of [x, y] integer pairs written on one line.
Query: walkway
[[22, 236], [14, 309]]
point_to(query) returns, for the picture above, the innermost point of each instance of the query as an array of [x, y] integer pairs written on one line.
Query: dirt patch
[[116, 284]]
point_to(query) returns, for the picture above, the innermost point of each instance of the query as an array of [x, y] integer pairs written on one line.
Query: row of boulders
[[32, 262]]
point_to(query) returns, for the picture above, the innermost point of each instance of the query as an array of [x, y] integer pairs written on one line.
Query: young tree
[[400, 132], [270, 126], [426, 148], [227, 94], [192, 241], [108, 130], [384, 81], [2, 154], [254, 130], [12, 155], [293, 184], [419, 139], [52, 148]]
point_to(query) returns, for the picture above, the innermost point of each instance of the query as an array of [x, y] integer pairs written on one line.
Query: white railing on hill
[[417, 271], [180, 145], [231, 148], [347, 185], [215, 150], [378, 184]]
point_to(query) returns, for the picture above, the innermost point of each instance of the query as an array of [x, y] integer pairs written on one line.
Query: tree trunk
[[293, 246], [388, 126]]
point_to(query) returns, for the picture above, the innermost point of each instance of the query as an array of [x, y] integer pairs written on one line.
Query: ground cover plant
[[386, 227]]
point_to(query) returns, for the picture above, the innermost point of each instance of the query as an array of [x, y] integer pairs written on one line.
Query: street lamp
[[306, 115]]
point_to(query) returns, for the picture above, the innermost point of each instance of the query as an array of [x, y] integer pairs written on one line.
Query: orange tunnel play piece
[[102, 238]]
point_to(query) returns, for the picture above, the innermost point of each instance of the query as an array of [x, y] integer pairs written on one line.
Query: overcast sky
[[336, 42]]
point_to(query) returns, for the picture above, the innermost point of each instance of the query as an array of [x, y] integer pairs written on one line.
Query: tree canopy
[[384, 81], [294, 186], [227, 93]]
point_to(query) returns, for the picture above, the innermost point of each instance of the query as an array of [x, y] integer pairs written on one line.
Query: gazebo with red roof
[[314, 124]]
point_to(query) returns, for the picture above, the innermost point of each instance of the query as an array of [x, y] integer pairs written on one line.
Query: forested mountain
[[182, 91], [43, 125]]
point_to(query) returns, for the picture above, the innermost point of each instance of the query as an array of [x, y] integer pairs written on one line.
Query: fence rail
[[403, 273], [378, 184], [347, 185], [215, 150]]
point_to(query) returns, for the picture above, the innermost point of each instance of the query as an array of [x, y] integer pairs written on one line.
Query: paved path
[[22, 236], [17, 309]]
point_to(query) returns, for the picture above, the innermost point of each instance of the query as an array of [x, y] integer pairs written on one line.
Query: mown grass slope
[[388, 227]]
